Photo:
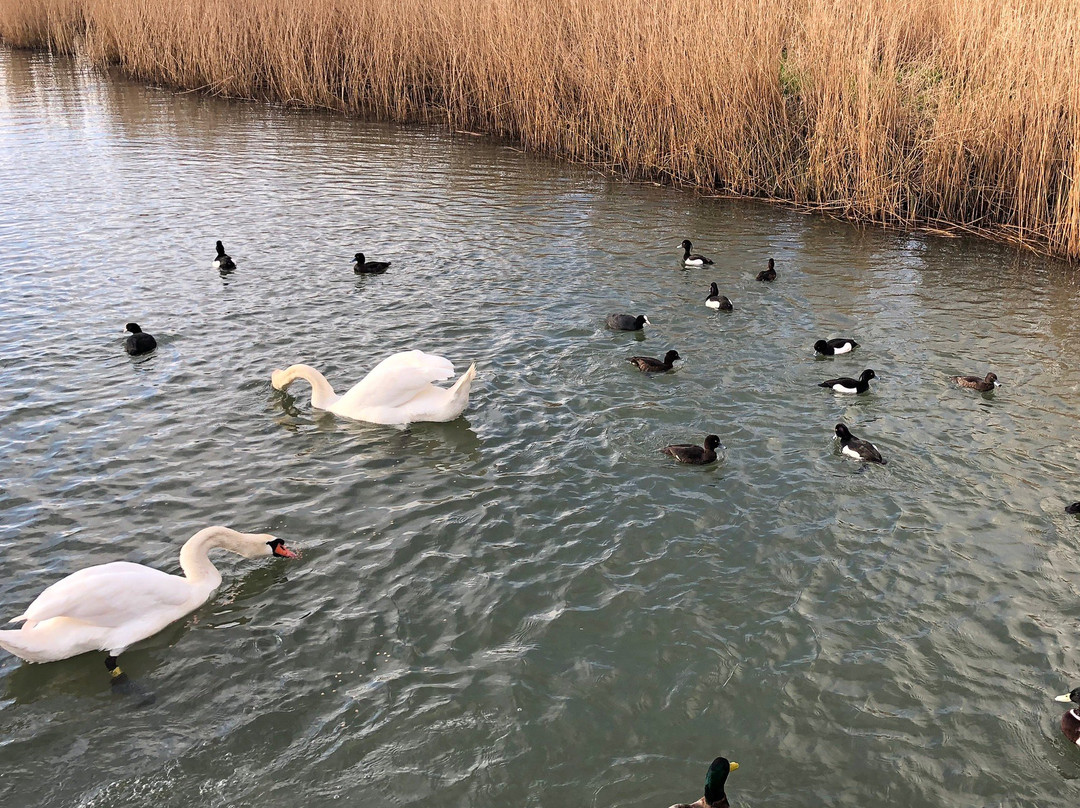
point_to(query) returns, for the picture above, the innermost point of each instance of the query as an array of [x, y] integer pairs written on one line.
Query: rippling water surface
[[529, 605]]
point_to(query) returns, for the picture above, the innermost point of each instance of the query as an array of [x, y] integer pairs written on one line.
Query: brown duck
[[646, 364], [694, 455], [975, 383]]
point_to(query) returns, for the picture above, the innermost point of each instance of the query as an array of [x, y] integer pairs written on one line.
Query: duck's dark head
[[712, 442], [770, 263], [821, 346], [714, 290], [842, 431], [687, 244], [717, 776], [359, 258], [642, 321], [1072, 696], [671, 356], [991, 378], [1073, 508], [220, 248], [867, 375], [133, 328]]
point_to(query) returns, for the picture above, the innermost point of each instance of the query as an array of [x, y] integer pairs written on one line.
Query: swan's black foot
[[121, 685]]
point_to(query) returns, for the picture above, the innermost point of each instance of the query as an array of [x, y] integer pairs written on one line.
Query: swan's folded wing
[[398, 379], [109, 594]]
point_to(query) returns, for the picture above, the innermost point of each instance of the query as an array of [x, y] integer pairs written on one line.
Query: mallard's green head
[[715, 779], [1073, 696]]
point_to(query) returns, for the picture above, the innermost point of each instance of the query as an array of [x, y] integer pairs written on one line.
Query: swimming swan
[[398, 390], [109, 607]]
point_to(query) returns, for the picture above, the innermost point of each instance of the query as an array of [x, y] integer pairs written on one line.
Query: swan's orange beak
[[284, 552]]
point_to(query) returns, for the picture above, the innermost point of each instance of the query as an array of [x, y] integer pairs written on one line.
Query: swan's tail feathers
[[15, 642], [53, 639]]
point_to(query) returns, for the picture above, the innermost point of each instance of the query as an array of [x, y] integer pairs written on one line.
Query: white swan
[[398, 390], [109, 607]]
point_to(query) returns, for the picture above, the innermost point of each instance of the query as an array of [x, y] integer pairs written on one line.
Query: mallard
[[714, 786], [1070, 722]]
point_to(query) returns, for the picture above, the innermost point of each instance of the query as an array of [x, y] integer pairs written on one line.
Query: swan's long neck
[[195, 558], [322, 394]]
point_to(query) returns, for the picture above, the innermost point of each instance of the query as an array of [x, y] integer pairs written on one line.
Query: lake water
[[530, 605]]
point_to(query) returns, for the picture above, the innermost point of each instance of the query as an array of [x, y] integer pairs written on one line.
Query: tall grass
[[941, 113]]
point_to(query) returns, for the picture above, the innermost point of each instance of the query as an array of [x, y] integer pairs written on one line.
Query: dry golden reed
[[941, 113]]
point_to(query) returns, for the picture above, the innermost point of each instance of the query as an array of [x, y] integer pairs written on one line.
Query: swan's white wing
[[398, 379], [110, 594]]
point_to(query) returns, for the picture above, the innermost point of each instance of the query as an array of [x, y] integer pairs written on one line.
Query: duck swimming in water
[[715, 778], [983, 385], [851, 386], [692, 454], [646, 364], [692, 259], [1070, 722], [139, 342], [715, 300], [222, 261]]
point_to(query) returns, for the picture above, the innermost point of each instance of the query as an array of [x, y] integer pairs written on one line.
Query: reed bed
[[953, 114]]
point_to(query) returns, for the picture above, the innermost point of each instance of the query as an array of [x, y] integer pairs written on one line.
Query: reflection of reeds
[[962, 113]]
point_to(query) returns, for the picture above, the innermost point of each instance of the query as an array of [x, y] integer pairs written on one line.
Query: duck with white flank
[[715, 797], [833, 347], [1070, 722], [692, 259], [360, 266], [851, 386], [646, 364], [139, 342], [857, 447], [767, 275], [983, 385], [397, 391], [109, 607], [223, 261], [627, 322], [715, 300], [694, 455]]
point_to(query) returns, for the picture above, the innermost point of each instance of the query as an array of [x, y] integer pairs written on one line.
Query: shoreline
[[918, 121]]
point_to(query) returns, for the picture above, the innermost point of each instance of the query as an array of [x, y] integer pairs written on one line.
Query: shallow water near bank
[[530, 604]]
